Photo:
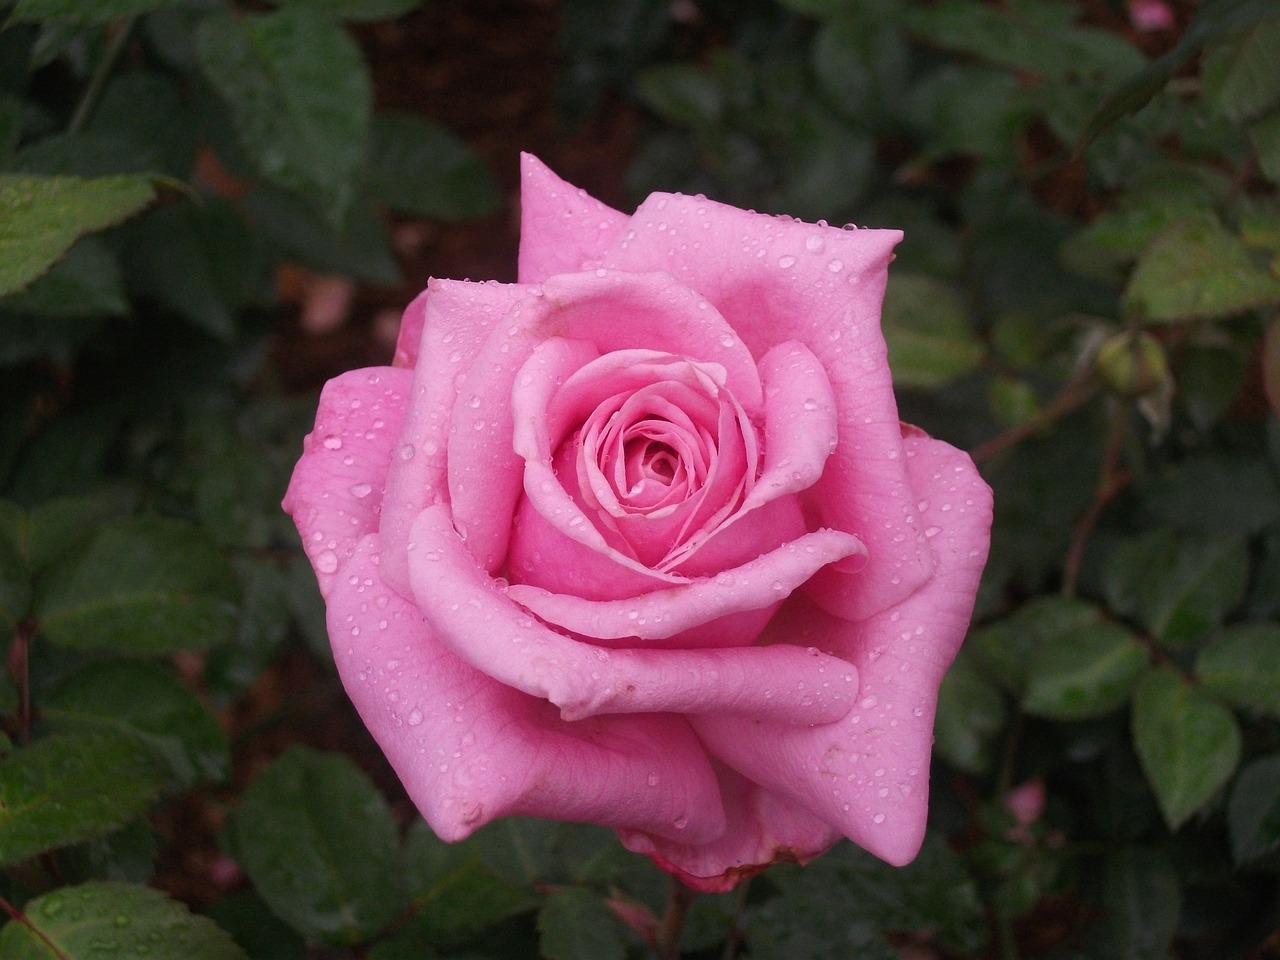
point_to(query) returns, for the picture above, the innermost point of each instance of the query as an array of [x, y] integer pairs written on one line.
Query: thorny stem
[[21, 918], [1076, 393], [1111, 480], [116, 40], [667, 937]]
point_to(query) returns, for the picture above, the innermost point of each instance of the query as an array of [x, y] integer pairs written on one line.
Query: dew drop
[[835, 266], [361, 490], [406, 452], [332, 442], [327, 562], [786, 262], [415, 717], [814, 243]]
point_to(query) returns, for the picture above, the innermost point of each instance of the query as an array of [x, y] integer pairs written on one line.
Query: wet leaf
[[69, 787], [41, 217], [143, 585], [113, 921], [1189, 745], [337, 885]]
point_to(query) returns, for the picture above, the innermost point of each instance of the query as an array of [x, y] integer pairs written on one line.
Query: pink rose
[[640, 540]]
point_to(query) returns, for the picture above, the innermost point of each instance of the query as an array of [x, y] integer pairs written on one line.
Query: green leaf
[[682, 94], [933, 892], [1007, 646], [1143, 901], [357, 10], [299, 96], [1196, 269], [41, 217], [959, 109], [1239, 76], [1242, 666], [86, 282], [262, 934], [339, 885], [1188, 744], [80, 12], [143, 585], [1212, 21], [971, 713], [1253, 811], [42, 534], [1265, 134], [1082, 673], [1180, 586], [576, 924], [421, 169], [291, 230], [1032, 37], [149, 703], [455, 894], [928, 331], [113, 921], [519, 849], [862, 62], [65, 788], [164, 135], [232, 669], [198, 260]]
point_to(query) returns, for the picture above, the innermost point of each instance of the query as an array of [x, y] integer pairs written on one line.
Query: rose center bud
[[661, 454]]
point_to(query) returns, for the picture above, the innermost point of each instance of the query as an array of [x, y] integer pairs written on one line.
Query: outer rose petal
[[761, 829], [867, 774], [458, 318], [469, 749], [775, 280], [562, 228], [479, 623], [335, 494]]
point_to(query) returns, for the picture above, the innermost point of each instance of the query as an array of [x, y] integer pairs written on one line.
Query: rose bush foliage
[[639, 540]]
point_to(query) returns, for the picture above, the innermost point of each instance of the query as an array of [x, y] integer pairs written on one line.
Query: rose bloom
[[640, 540]]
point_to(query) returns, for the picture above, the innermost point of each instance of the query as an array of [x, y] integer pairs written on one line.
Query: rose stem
[[1111, 480], [667, 939], [1076, 393]]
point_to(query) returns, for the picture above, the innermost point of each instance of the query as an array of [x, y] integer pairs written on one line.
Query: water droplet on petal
[[327, 562], [332, 442]]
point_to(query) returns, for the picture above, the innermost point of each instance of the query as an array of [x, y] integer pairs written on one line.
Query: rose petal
[[872, 780], [483, 474], [469, 750], [775, 280], [458, 320], [761, 829], [800, 422], [646, 311], [562, 227], [664, 613], [479, 623], [335, 493]]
